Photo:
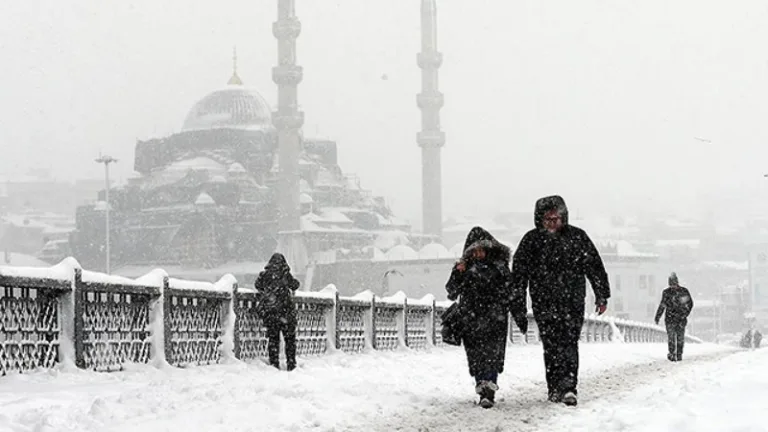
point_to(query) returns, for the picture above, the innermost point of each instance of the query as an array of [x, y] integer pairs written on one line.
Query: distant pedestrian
[[678, 304]]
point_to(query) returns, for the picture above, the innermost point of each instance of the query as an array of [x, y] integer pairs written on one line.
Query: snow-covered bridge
[[366, 362], [64, 314]]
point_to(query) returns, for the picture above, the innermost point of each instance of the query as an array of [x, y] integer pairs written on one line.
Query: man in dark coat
[[275, 286], [678, 303], [481, 277], [553, 259]]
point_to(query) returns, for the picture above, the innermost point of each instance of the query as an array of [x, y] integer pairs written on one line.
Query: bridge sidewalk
[[376, 391]]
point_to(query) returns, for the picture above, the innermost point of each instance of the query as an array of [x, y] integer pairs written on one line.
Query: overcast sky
[[597, 100]]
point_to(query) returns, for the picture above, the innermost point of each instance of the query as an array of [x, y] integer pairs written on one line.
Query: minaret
[[431, 139], [288, 121]]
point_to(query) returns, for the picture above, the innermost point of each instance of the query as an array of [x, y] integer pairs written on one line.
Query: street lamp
[[106, 160]]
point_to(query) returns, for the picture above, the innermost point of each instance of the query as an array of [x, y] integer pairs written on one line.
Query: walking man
[[678, 303], [553, 259], [275, 287]]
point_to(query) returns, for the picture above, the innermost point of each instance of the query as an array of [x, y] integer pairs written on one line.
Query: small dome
[[401, 253], [234, 107], [236, 168], [457, 250], [204, 199], [434, 251]]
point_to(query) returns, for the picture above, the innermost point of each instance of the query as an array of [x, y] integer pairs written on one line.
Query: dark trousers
[[286, 326], [488, 376], [675, 339], [560, 335]]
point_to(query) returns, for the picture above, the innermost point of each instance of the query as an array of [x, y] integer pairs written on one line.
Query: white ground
[[624, 387]]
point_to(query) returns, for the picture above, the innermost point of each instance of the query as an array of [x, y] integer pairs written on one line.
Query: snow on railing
[[73, 317]]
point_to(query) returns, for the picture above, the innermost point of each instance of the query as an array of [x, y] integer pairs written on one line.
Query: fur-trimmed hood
[[480, 238], [543, 205]]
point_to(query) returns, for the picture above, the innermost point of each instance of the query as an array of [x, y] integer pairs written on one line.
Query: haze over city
[[600, 102]]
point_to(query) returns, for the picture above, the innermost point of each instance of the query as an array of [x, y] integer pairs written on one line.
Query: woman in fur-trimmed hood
[[481, 282]]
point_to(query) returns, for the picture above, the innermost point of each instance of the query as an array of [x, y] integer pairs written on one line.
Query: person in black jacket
[[553, 259], [481, 280], [275, 287], [678, 303]]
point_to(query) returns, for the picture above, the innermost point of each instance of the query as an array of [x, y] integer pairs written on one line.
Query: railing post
[[167, 336], [79, 335], [373, 321], [402, 325], [228, 322], [332, 322], [238, 316], [431, 325]]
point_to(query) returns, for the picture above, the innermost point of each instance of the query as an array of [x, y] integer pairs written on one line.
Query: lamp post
[[106, 160]]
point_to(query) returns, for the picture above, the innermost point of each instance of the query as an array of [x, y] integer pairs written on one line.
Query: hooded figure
[[555, 259], [275, 287], [481, 280], [678, 303]]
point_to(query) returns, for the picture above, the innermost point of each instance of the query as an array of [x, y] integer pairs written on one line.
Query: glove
[[600, 306]]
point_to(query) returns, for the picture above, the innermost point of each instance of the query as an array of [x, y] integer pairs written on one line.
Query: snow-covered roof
[[333, 215], [195, 273], [236, 168], [488, 225], [234, 107], [21, 260], [691, 243], [434, 251], [726, 265], [305, 199], [204, 199], [457, 250], [625, 248], [50, 223], [388, 239], [311, 222], [179, 169], [402, 253], [391, 221]]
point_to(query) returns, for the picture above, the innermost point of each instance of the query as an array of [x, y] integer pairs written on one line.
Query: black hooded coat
[[484, 290], [275, 286]]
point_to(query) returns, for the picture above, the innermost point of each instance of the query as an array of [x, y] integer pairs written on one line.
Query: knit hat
[[673, 279]]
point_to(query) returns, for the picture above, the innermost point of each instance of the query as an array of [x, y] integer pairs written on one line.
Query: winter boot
[[569, 398], [487, 392], [555, 397], [671, 357]]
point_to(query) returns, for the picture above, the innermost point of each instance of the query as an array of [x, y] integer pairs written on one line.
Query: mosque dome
[[234, 107]]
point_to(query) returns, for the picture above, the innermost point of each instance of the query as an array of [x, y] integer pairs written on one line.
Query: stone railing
[[69, 316]]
